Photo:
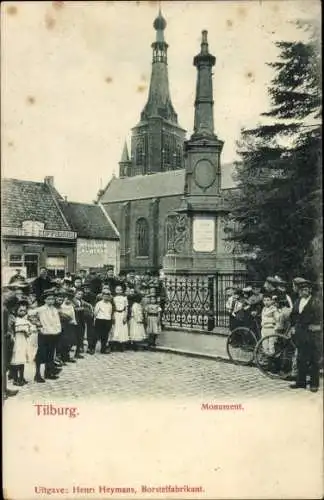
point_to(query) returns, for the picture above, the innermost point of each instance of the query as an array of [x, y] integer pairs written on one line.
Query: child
[[21, 329], [105, 289], [120, 335], [80, 319], [229, 305], [48, 337], [269, 320], [287, 365], [36, 326], [233, 308], [103, 314], [136, 323], [153, 317], [69, 324]]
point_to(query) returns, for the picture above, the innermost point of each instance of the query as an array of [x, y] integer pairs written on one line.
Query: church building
[[169, 201]]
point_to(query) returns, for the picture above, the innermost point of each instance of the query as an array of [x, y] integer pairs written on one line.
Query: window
[[179, 157], [167, 156], [29, 261], [56, 266], [139, 154], [16, 260], [142, 238], [31, 264]]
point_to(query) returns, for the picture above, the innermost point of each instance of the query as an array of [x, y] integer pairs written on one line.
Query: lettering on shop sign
[[41, 233], [92, 247]]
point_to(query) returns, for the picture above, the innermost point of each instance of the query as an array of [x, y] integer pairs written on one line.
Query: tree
[[276, 210]]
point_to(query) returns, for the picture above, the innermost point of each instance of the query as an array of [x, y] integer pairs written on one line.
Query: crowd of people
[[55, 322], [274, 309]]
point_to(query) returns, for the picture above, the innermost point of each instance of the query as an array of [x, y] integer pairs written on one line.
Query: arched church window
[[167, 156], [142, 238]]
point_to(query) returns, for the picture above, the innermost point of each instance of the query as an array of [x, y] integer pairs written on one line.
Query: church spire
[[204, 117], [125, 163], [125, 155], [159, 101]]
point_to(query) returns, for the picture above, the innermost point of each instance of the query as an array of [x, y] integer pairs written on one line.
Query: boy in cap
[[306, 320]]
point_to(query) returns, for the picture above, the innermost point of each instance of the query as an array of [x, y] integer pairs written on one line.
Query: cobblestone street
[[153, 375]]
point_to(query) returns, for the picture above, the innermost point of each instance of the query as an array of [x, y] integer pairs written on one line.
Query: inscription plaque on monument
[[203, 234]]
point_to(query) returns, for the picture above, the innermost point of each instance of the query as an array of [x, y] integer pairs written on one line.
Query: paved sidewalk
[[202, 345]]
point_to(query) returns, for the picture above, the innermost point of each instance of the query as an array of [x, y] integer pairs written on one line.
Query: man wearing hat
[[270, 284], [17, 276], [18, 290], [95, 282], [41, 284], [306, 320], [281, 286], [110, 279]]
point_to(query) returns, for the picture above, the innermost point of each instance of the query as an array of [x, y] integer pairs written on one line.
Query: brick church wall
[[138, 209]]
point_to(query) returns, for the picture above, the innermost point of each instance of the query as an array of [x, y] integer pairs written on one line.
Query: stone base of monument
[[177, 264], [200, 264]]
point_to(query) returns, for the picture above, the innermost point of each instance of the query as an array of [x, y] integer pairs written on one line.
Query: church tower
[[157, 140]]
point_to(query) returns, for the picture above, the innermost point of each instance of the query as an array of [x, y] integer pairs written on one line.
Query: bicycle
[[275, 356], [241, 343], [246, 347]]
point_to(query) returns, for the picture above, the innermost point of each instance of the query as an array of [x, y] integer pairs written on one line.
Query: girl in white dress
[[269, 320], [21, 328], [120, 334], [136, 323], [36, 327]]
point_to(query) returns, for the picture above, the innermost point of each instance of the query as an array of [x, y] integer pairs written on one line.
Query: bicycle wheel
[[240, 345], [275, 356]]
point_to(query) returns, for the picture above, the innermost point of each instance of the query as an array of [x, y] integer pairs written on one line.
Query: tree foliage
[[276, 210]]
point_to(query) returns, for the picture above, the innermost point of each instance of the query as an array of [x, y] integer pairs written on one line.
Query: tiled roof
[[145, 186], [155, 185], [88, 221], [27, 200]]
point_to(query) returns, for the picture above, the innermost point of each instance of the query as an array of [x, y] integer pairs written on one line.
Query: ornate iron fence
[[198, 302]]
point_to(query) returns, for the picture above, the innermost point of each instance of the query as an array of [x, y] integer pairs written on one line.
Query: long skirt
[[153, 325], [136, 331], [20, 350], [120, 329]]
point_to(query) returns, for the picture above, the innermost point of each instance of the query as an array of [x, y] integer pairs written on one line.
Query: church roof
[[157, 185], [145, 186]]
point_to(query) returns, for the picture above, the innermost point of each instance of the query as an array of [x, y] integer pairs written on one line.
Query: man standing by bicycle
[[306, 320]]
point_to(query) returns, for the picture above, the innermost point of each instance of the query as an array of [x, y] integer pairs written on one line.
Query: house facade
[[35, 232], [41, 229], [97, 237]]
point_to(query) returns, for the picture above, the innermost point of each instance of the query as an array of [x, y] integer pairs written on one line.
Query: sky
[[75, 78]]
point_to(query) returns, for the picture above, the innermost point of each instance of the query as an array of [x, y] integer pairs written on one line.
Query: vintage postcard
[[161, 229]]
